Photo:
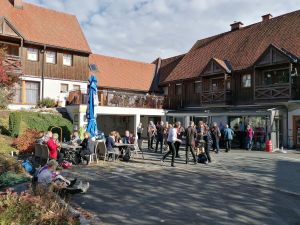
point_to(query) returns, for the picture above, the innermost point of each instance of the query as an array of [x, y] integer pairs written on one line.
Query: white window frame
[[50, 57], [61, 91], [33, 54], [246, 82], [76, 85], [67, 59]]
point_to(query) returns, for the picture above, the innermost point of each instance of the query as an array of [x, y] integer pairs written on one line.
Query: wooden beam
[[23, 92]]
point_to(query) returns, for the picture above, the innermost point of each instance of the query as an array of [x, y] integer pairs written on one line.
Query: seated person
[[53, 145], [132, 139], [49, 179], [111, 144], [87, 147], [118, 138], [75, 139], [201, 156], [126, 138]]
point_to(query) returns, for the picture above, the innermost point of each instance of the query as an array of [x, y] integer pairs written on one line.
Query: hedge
[[22, 120]]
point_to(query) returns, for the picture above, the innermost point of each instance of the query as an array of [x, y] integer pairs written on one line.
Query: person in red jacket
[[53, 146]]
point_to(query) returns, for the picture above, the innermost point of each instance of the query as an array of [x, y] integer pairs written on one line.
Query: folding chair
[[45, 153], [37, 153]]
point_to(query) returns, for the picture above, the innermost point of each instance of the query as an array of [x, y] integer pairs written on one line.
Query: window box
[[32, 54], [51, 57], [67, 60]]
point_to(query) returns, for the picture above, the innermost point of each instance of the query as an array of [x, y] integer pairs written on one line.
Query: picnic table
[[71, 152], [70, 147]]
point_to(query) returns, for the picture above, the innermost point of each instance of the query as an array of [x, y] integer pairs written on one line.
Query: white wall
[[52, 89]]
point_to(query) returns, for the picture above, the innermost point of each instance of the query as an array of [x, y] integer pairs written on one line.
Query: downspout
[[287, 127], [43, 69]]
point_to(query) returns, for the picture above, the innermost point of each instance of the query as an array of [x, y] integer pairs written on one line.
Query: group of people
[[198, 139], [115, 138], [57, 153]]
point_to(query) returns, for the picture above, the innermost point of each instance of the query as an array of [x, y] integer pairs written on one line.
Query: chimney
[[266, 17], [18, 4], [236, 25]]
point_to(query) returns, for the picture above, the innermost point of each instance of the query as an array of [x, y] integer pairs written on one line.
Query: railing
[[278, 91], [119, 99], [216, 97], [12, 64]]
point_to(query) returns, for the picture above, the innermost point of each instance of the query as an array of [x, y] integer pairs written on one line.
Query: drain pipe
[[43, 69]]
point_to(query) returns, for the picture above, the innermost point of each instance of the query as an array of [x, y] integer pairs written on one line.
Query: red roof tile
[[116, 73], [167, 66], [241, 48], [45, 26]]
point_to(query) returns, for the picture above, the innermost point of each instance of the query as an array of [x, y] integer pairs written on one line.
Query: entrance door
[[296, 131]]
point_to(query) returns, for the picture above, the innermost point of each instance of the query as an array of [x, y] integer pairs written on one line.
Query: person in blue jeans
[[228, 137]]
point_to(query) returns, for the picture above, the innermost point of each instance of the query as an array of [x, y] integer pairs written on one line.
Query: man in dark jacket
[[159, 136], [208, 142], [190, 134]]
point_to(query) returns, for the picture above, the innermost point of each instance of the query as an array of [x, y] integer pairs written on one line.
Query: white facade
[[52, 89], [137, 115]]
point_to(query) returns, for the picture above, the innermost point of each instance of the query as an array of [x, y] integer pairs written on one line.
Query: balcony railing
[[216, 97], [119, 99], [13, 64], [268, 92]]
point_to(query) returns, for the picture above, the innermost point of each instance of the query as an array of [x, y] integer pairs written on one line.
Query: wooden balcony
[[119, 99], [13, 64], [270, 92], [217, 97]]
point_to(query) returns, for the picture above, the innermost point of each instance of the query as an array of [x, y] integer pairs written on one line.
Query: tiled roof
[[45, 26], [167, 66], [116, 73], [241, 48]]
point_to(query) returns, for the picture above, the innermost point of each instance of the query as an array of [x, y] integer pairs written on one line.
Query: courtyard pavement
[[239, 187]]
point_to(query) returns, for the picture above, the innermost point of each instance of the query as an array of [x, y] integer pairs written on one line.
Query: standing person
[[53, 147], [190, 134], [241, 134], [249, 137], [228, 136], [216, 135], [172, 138], [140, 130], [166, 132], [159, 136], [208, 142], [151, 133], [180, 132]]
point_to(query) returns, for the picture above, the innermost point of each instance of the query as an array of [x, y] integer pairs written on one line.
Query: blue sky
[[146, 29]]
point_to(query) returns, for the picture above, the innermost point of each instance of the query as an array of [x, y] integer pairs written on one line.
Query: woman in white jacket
[[172, 138]]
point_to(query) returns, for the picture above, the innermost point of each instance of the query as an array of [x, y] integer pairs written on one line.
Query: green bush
[[47, 102], [44, 122], [14, 124], [9, 179]]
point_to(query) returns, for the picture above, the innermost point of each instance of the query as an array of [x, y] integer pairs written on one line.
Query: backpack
[[126, 156], [65, 164], [28, 167]]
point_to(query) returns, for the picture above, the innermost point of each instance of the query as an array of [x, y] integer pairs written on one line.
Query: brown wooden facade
[[17, 46], [274, 78]]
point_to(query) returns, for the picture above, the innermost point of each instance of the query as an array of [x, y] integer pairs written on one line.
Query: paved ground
[[238, 188]]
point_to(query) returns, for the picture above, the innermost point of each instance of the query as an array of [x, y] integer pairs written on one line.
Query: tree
[[7, 80]]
